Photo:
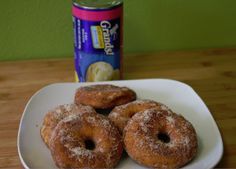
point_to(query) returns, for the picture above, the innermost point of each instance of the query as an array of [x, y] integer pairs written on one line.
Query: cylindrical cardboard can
[[98, 39]]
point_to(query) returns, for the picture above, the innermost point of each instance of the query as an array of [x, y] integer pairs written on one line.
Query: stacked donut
[[152, 135]]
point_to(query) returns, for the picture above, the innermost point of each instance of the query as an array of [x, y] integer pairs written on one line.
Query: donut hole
[[163, 137], [89, 144]]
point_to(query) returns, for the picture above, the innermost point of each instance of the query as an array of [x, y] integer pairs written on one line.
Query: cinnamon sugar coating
[[68, 142], [104, 96], [120, 115], [54, 116], [143, 145]]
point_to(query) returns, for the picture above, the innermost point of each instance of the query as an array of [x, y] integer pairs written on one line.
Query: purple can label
[[97, 44]]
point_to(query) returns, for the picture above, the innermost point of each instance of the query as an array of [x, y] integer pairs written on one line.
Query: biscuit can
[[98, 39]]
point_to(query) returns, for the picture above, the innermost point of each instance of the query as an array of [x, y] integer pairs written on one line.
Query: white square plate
[[180, 97]]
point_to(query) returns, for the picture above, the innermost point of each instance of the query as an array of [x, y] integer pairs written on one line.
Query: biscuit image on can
[[99, 71]]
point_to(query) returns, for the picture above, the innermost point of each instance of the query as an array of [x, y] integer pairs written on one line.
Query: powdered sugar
[[114, 114], [71, 117], [57, 113], [106, 125], [112, 96], [140, 144], [68, 107], [185, 140], [170, 119], [146, 115], [80, 152], [58, 110], [171, 144], [91, 119], [145, 101], [163, 107], [101, 149]]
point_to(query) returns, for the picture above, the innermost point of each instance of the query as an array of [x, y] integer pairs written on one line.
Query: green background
[[43, 28]]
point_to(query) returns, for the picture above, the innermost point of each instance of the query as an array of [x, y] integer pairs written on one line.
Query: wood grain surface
[[212, 73]]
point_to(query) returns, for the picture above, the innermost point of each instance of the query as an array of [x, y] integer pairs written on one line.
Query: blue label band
[[97, 49]]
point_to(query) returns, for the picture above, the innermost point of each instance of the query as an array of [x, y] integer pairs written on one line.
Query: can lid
[[97, 4]]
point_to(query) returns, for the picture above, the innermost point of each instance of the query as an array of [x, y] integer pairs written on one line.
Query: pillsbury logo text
[[108, 31]]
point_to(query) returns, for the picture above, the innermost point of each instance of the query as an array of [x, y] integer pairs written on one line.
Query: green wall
[[43, 29]]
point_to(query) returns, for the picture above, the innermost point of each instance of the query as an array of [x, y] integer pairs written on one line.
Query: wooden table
[[212, 73]]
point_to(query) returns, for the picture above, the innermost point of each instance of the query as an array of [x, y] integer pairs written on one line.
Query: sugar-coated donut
[[121, 114], [86, 141], [160, 139], [57, 114], [104, 96]]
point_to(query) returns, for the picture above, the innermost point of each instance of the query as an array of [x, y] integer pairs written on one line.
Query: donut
[[104, 96], [55, 115], [86, 141], [121, 114], [160, 139]]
